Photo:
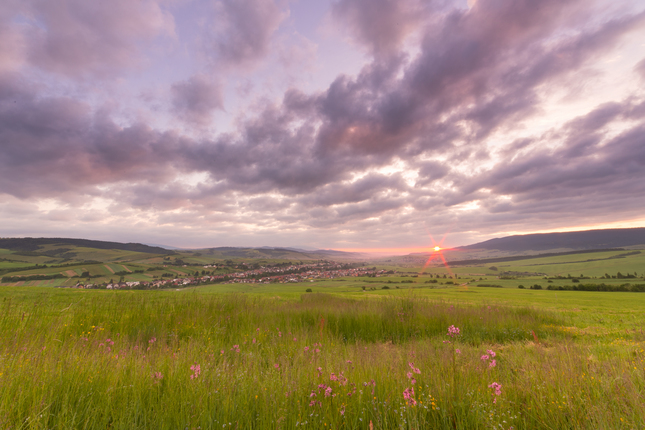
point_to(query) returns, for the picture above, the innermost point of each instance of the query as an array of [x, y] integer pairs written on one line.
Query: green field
[[277, 357], [342, 356]]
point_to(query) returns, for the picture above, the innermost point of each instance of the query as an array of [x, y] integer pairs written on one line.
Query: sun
[[437, 253]]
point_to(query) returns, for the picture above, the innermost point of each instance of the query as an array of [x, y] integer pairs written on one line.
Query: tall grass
[[151, 360]]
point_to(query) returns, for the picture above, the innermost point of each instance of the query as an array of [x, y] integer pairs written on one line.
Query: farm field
[[339, 357]]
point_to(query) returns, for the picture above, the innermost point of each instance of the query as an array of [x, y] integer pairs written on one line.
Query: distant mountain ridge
[[33, 244], [575, 240]]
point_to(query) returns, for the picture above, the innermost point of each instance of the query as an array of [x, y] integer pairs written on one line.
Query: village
[[262, 275]]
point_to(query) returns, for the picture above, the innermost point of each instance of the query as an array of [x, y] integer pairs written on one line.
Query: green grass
[[262, 355]]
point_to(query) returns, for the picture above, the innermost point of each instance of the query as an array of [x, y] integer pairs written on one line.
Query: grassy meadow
[[339, 357]]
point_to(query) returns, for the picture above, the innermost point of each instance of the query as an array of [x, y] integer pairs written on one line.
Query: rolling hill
[[574, 240]]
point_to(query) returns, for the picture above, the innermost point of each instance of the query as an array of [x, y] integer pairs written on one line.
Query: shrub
[[309, 290], [520, 286]]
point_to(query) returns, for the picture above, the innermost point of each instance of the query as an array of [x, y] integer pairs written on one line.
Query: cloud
[[407, 141], [243, 32], [195, 99], [380, 25], [78, 38], [640, 68]]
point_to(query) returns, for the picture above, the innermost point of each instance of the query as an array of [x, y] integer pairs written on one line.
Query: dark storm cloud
[[245, 31], [195, 99]]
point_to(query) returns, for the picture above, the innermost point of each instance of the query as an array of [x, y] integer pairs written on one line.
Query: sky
[[344, 124]]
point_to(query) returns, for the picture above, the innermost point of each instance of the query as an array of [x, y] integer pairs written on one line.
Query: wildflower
[[497, 387], [491, 353], [342, 410], [408, 394], [328, 392], [414, 369], [409, 375], [277, 366], [196, 371], [306, 348], [313, 394], [152, 340], [484, 357], [453, 331], [458, 351], [493, 363], [253, 340]]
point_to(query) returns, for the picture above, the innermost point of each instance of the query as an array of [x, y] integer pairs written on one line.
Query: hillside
[[574, 240], [33, 244]]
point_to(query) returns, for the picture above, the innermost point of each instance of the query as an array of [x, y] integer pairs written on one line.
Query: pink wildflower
[[408, 394], [458, 351], [253, 340], [409, 375], [453, 331], [493, 363], [306, 348], [497, 387], [277, 366], [484, 357], [196, 368], [328, 392], [491, 353], [414, 369], [342, 410], [413, 381]]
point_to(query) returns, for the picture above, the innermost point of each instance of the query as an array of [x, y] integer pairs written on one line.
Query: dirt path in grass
[[109, 268]]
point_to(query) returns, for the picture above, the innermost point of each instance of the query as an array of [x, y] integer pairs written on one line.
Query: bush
[[309, 290], [520, 286], [385, 287]]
